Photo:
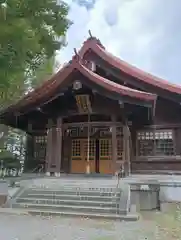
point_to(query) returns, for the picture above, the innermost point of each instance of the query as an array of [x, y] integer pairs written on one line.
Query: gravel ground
[[151, 226], [21, 227]]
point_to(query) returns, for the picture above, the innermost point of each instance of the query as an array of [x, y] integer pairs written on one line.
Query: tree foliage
[[43, 73], [31, 32]]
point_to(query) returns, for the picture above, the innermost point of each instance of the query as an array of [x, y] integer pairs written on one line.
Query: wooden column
[[51, 134], [29, 154], [126, 148], [48, 152], [58, 150], [114, 144]]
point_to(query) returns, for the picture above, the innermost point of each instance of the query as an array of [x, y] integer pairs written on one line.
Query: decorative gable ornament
[[92, 66], [77, 85]]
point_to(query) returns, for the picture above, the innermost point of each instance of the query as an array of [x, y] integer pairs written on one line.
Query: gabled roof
[[96, 46], [48, 89]]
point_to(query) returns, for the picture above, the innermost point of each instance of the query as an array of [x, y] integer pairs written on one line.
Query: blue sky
[[145, 33]]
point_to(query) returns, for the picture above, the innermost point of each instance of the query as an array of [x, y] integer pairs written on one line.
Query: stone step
[[70, 196], [86, 187], [81, 209], [71, 192], [85, 199], [78, 202], [43, 212]]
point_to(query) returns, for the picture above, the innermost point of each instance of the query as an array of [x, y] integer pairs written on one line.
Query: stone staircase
[[96, 198]]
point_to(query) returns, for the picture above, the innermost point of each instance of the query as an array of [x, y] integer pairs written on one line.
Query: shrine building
[[98, 114]]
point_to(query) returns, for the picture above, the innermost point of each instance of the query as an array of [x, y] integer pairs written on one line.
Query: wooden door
[[105, 153], [77, 161], [92, 154], [79, 155]]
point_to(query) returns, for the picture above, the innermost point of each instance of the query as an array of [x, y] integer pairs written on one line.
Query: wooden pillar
[[51, 134], [177, 137], [29, 155], [114, 144], [54, 148], [58, 150], [48, 151], [126, 148]]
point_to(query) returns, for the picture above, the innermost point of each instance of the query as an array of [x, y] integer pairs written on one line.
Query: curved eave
[[128, 69], [49, 88], [39, 92], [114, 87]]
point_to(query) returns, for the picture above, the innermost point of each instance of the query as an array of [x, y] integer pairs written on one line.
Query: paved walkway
[[21, 227]]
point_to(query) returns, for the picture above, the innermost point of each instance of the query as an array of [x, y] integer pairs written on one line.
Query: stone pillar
[[114, 144], [58, 150]]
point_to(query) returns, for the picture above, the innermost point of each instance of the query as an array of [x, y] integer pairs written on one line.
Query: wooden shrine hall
[[98, 114]]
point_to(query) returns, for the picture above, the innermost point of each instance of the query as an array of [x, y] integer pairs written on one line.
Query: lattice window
[[105, 148], [40, 143], [120, 149], [40, 139], [145, 143], [92, 148], [158, 142], [164, 143], [76, 149]]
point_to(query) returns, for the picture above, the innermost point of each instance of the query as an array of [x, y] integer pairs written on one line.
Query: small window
[[164, 143], [76, 148], [40, 143], [105, 148], [120, 149], [92, 148], [145, 143], [155, 143]]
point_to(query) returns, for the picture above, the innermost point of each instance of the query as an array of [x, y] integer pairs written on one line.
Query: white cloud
[[123, 26]]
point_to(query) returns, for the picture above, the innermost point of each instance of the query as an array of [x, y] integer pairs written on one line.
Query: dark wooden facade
[[98, 114]]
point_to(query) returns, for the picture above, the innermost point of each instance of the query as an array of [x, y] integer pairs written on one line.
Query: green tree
[[31, 32], [43, 73]]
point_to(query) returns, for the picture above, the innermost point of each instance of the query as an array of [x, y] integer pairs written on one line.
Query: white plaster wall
[[170, 193]]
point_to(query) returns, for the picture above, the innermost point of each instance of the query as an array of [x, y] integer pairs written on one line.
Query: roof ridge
[[116, 85], [96, 46]]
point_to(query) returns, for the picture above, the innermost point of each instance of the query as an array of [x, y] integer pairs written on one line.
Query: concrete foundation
[[145, 197]]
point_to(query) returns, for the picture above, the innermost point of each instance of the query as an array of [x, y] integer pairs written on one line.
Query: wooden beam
[[67, 125]]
